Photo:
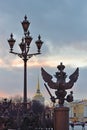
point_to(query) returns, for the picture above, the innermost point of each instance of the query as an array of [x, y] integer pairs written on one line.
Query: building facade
[[78, 111]]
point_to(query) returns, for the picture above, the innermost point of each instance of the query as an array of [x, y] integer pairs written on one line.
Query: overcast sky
[[62, 25]]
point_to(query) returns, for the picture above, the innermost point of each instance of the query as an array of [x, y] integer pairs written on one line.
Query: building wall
[[78, 111]]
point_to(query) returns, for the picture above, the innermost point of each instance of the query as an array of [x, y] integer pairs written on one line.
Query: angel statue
[[60, 85]]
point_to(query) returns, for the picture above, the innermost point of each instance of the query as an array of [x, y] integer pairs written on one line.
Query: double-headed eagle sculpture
[[60, 85]]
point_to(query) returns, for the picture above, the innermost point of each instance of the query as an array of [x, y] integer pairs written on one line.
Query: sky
[[63, 29]]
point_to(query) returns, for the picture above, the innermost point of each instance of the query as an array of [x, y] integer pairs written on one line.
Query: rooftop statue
[[60, 85]]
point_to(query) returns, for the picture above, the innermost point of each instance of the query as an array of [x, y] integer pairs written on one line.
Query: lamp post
[[24, 54]]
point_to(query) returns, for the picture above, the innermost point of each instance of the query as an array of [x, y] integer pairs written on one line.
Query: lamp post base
[[61, 118]]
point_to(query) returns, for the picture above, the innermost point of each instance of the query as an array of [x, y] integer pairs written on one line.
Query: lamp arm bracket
[[15, 53], [30, 55]]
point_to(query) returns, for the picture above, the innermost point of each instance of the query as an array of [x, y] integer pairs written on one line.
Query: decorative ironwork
[[60, 85]]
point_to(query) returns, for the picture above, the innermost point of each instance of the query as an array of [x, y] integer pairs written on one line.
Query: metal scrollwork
[[60, 85]]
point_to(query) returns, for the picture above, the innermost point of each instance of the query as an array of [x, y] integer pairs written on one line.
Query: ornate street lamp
[[24, 47]]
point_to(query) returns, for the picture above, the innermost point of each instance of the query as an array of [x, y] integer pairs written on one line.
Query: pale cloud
[[3, 94], [17, 62], [73, 54], [63, 28], [3, 64]]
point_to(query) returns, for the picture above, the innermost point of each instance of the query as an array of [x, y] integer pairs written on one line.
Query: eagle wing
[[73, 78], [48, 78]]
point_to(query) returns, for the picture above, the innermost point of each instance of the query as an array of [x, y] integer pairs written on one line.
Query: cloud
[[63, 28]]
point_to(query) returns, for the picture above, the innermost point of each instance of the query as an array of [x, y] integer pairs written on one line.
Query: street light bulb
[[22, 45], [11, 42], [39, 43], [25, 24], [28, 39]]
